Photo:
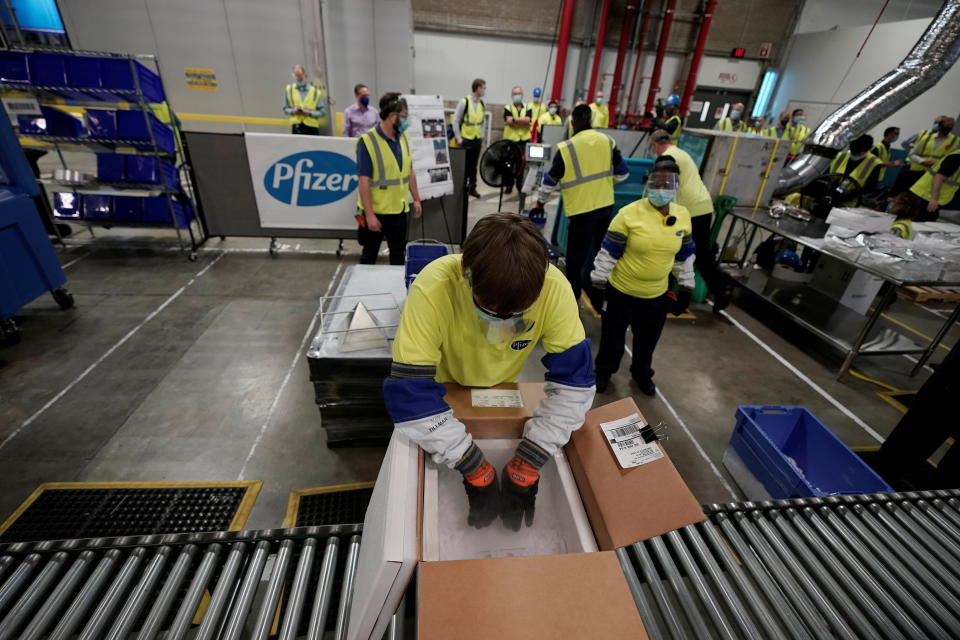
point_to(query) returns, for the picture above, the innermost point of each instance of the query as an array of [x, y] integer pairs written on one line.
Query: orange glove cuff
[[522, 473], [482, 476]]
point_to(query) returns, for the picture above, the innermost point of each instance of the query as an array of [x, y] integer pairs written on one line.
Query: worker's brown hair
[[505, 261], [660, 136], [911, 206], [477, 83], [356, 89]]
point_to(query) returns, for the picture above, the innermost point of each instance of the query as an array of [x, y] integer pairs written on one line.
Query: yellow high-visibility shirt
[[643, 270], [692, 193], [601, 116], [440, 328]]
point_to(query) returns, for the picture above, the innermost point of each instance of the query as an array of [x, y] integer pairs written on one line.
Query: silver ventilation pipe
[[932, 56]]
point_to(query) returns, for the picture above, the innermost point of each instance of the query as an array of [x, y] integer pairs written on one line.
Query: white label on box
[[510, 398], [624, 438], [21, 107]]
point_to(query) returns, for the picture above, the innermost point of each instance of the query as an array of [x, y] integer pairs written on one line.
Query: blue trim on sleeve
[[620, 167], [557, 169], [687, 249], [615, 249], [573, 367], [413, 398], [364, 163]]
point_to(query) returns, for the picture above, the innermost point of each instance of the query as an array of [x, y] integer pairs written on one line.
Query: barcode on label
[[628, 430]]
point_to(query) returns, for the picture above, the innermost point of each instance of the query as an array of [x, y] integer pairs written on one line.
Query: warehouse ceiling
[[736, 23]]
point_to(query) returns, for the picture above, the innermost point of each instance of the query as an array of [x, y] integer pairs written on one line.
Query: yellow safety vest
[[727, 125], [471, 126], [924, 186], [309, 102], [389, 182], [587, 182], [512, 133], [550, 118], [601, 116], [882, 152], [538, 109], [924, 147], [858, 175], [903, 228], [675, 136], [797, 135]]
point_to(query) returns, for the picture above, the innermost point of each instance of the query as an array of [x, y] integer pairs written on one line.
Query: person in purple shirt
[[359, 118]]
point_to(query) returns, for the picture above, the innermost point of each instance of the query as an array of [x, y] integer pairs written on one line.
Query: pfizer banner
[[303, 182]]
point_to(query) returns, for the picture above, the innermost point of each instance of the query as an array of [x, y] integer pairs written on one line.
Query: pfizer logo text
[[311, 178]]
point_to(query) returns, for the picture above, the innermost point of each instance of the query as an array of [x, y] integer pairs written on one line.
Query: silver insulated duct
[[930, 58]]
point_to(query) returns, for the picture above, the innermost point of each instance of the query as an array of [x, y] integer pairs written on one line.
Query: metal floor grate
[[869, 566], [338, 504], [57, 511], [284, 583]]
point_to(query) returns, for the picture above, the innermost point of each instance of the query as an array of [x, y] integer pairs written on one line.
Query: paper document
[[510, 398], [624, 438]]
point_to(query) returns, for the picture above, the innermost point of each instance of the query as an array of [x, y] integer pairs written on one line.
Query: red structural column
[[563, 42], [669, 7], [626, 30], [598, 49], [691, 85]]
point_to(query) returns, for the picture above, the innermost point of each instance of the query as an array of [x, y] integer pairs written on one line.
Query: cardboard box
[[626, 505], [467, 588]]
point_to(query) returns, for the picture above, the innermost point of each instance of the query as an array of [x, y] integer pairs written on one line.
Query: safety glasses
[[498, 315]]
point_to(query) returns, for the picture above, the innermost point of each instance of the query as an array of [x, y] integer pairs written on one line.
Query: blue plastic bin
[[157, 211], [116, 75], [127, 208], [795, 456], [102, 123], [110, 167], [53, 122], [420, 253], [14, 67], [152, 170], [83, 72], [48, 69], [96, 207], [67, 204], [132, 126]]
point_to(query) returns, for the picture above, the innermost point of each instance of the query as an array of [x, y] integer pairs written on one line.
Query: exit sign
[[739, 52], [764, 51]]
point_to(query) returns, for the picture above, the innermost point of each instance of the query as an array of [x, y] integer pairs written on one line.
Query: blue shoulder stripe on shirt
[[414, 398], [573, 367], [613, 247], [687, 249]]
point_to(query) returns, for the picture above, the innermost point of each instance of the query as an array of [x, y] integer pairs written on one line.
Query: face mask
[[497, 330], [553, 111], [895, 138], [661, 197], [402, 125], [800, 121], [365, 100], [735, 115], [598, 101], [784, 123], [945, 128], [517, 99], [890, 206], [483, 92]]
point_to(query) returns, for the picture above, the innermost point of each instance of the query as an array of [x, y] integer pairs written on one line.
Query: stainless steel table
[[841, 327]]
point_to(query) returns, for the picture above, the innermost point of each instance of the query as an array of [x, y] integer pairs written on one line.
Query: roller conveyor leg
[[268, 607], [248, 589], [161, 607], [346, 591], [321, 600], [11, 588], [111, 600], [32, 596], [85, 599], [660, 596], [639, 598], [188, 607], [226, 584], [298, 591], [714, 610], [726, 590], [792, 625], [58, 599]]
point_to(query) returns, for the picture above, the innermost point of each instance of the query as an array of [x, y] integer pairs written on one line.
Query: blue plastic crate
[[110, 167], [116, 74], [53, 122], [127, 208], [102, 123], [67, 204], [156, 210], [48, 69], [152, 170], [83, 72], [14, 67], [795, 456], [419, 255], [132, 126], [96, 207]]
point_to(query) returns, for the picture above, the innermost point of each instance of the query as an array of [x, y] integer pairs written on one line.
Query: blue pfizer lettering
[[311, 178], [519, 345]]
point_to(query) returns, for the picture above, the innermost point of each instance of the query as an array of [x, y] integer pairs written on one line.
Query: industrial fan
[[500, 165]]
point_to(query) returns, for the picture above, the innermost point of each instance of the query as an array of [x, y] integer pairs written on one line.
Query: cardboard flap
[[494, 422], [575, 596], [626, 505]]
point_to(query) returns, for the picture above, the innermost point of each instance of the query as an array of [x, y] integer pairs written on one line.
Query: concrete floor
[[176, 370]]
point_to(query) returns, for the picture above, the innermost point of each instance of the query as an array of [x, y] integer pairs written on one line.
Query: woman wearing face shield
[[647, 240], [474, 319]]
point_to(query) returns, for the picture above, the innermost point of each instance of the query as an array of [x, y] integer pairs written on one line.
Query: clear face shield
[[661, 188], [501, 327]]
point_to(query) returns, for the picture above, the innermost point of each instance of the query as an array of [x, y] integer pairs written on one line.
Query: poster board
[[303, 182], [427, 135]]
